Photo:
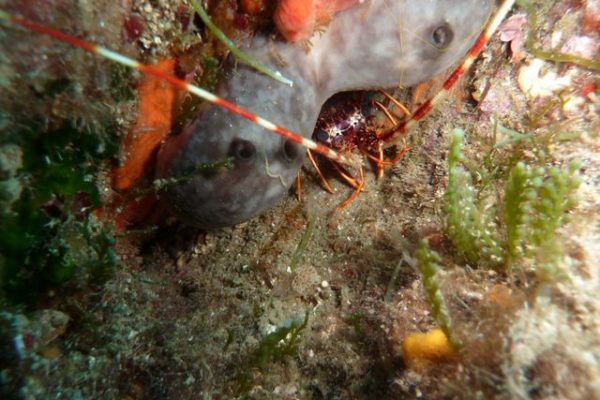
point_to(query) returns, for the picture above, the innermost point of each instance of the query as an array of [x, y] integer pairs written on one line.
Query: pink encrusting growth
[[297, 20]]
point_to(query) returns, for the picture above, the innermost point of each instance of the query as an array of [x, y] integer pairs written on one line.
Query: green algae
[[49, 232], [535, 203], [243, 57], [282, 342], [469, 218], [428, 264], [554, 56]]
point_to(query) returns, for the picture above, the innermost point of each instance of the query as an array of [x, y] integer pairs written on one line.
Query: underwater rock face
[[378, 44]]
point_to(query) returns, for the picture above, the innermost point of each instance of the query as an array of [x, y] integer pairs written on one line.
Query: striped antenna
[[426, 107], [178, 83]]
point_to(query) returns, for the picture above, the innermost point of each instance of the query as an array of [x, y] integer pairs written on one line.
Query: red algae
[[133, 27]]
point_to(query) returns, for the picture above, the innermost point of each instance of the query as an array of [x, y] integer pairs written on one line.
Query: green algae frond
[[470, 220], [555, 56], [519, 222], [428, 264], [240, 55], [281, 343]]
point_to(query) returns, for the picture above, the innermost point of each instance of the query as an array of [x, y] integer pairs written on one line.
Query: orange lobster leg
[[316, 167], [354, 194]]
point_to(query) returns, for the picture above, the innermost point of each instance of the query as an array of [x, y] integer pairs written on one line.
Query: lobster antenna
[[177, 83], [430, 103]]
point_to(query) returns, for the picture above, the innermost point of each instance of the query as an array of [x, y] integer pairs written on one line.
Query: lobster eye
[[242, 150], [442, 36], [290, 150]]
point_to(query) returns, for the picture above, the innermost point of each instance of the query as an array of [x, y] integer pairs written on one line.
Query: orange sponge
[[420, 349], [296, 20], [153, 124]]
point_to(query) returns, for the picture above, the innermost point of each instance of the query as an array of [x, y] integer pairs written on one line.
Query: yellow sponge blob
[[419, 349]]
